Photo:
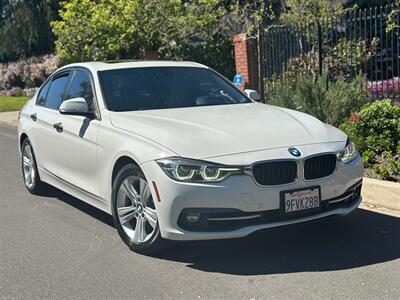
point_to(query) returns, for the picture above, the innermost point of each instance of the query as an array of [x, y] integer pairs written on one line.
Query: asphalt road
[[56, 246]]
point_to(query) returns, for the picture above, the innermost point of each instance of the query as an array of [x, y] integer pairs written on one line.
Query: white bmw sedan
[[175, 152]]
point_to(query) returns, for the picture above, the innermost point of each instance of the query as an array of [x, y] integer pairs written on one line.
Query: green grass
[[12, 103]]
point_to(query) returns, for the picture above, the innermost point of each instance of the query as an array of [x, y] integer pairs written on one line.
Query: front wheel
[[134, 212]]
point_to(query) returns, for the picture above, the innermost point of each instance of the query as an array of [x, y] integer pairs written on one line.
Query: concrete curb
[[9, 118], [381, 193], [374, 192]]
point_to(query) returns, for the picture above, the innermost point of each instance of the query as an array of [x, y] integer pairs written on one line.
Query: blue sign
[[238, 80]]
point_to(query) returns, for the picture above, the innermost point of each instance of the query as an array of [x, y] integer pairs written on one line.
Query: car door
[[75, 147], [43, 117]]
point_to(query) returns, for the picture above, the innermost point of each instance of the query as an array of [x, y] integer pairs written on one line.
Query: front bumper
[[249, 206]]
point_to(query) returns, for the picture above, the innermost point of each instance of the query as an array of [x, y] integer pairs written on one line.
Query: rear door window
[[56, 91], [41, 99]]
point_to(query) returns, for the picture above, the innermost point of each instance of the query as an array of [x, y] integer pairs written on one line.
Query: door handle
[[33, 116], [58, 126]]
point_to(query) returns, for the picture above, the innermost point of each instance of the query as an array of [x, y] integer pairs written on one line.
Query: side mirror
[[253, 95], [75, 106]]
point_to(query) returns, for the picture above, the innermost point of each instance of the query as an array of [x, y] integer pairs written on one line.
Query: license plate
[[299, 200]]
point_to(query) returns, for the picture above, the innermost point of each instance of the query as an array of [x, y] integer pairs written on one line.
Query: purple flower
[[15, 91], [395, 101], [27, 73], [376, 90]]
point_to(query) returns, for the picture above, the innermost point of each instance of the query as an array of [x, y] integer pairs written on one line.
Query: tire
[[30, 172], [134, 213]]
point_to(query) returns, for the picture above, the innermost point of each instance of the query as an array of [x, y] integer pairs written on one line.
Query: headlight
[[349, 153], [188, 170]]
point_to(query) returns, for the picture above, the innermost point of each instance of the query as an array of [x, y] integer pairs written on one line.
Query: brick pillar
[[246, 60]]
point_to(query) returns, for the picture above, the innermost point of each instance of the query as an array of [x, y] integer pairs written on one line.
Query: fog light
[[192, 217]]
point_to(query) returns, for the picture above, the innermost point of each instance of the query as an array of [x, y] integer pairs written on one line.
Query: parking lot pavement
[[55, 246]]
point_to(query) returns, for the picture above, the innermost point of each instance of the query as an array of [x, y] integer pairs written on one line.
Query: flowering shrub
[[384, 88], [355, 118], [376, 133], [27, 73], [13, 92], [30, 91]]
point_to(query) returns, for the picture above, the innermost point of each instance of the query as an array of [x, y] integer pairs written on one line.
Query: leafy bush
[[303, 66], [335, 61], [376, 133], [27, 73], [330, 102], [361, 52], [377, 127]]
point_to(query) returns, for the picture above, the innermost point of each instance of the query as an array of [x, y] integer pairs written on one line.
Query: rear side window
[[81, 87], [56, 91], [41, 99]]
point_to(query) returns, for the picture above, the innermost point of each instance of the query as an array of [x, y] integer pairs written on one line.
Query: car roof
[[95, 66]]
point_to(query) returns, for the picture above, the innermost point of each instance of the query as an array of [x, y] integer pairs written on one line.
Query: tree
[[169, 29], [393, 18], [301, 12], [25, 28], [367, 3]]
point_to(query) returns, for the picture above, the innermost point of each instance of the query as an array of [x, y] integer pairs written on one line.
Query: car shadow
[[337, 243], [92, 211], [360, 239]]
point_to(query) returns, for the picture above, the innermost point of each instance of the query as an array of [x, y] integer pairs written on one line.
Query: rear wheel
[[134, 212], [29, 169]]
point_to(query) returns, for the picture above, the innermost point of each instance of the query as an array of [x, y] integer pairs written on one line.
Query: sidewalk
[[374, 192], [9, 118], [381, 193]]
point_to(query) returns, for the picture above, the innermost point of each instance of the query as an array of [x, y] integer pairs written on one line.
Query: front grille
[[319, 166], [275, 172]]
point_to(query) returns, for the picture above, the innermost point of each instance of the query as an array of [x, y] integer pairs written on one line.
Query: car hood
[[210, 131]]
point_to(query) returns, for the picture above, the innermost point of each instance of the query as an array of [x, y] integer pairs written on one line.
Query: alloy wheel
[[28, 163], [135, 208]]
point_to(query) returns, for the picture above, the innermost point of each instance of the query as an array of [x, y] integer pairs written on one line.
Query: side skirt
[[74, 191]]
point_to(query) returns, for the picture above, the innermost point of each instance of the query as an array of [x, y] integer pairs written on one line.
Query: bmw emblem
[[294, 151]]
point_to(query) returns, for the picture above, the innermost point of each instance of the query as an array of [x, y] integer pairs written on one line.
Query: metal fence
[[355, 43]]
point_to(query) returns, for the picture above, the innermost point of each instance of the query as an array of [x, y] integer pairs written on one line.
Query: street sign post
[[238, 80]]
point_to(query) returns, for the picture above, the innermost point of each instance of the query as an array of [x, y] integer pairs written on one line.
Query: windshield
[[166, 87]]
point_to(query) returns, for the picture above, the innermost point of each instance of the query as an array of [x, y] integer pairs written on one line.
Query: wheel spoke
[[130, 191], [140, 233], [125, 210], [28, 178], [151, 216], [142, 189], [126, 213], [145, 197], [29, 151], [32, 176], [27, 162]]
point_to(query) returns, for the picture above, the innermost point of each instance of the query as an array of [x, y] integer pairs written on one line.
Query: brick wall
[[246, 60]]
